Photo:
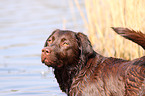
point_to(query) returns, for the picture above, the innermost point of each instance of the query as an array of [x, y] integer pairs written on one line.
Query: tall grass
[[103, 14]]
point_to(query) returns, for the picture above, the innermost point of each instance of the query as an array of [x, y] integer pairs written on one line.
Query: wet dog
[[80, 71]]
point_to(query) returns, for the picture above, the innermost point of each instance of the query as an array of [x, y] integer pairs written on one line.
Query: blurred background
[[25, 25]]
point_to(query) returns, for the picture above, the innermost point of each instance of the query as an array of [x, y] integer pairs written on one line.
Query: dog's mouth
[[50, 63], [46, 61]]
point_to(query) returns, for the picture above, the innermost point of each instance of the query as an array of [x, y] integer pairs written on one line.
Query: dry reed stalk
[[103, 14]]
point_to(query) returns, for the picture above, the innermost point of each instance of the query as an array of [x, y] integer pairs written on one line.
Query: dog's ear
[[84, 45]]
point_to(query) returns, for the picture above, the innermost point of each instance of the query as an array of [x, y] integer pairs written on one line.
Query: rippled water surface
[[24, 27]]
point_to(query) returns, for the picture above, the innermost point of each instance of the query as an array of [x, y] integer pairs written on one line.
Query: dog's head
[[64, 48]]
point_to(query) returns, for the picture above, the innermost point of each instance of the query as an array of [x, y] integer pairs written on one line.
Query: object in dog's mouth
[[80, 71]]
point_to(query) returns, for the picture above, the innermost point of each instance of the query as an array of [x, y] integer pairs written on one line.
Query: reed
[[104, 14]]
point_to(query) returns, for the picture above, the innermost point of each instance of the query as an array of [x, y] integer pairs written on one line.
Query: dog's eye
[[65, 44], [49, 41]]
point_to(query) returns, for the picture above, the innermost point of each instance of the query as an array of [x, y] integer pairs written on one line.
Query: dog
[[80, 71]]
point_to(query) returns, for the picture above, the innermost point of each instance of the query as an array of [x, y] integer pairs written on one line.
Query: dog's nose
[[46, 51]]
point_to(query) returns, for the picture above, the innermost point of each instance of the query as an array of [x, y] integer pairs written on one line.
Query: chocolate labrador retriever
[[80, 71]]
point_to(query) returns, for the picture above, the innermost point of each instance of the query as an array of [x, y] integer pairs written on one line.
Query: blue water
[[24, 27]]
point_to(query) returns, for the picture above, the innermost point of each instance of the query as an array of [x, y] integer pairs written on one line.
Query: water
[[24, 27]]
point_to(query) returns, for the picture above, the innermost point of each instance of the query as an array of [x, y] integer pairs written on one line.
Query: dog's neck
[[64, 78], [66, 74]]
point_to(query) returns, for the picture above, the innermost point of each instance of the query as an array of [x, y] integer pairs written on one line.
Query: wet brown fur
[[80, 71]]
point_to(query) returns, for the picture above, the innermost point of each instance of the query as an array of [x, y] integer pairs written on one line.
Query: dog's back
[[136, 74]]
